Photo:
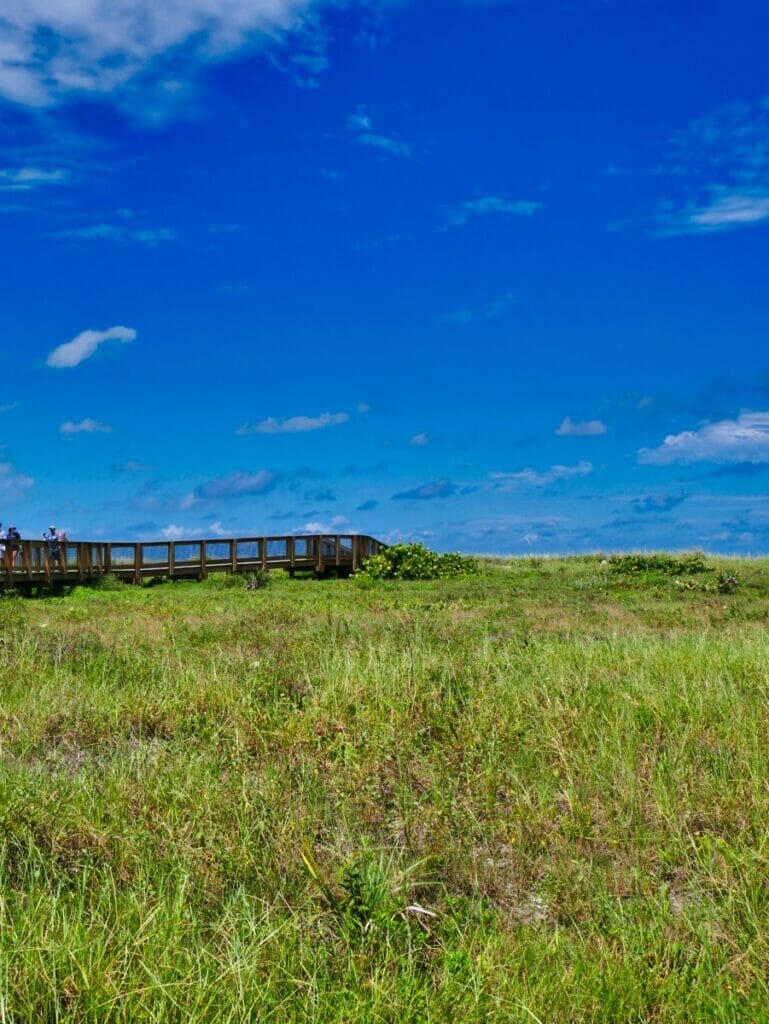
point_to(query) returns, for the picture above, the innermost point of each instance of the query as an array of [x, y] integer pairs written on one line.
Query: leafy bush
[[416, 562], [257, 580], [667, 565], [727, 583]]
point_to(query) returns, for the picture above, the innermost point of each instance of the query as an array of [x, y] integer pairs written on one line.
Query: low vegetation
[[417, 562], [534, 793]]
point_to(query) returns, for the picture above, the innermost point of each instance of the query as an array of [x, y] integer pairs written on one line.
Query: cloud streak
[[117, 233], [542, 478], [294, 424], [435, 489], [462, 212], [362, 126], [83, 346], [240, 484], [723, 210], [27, 179]]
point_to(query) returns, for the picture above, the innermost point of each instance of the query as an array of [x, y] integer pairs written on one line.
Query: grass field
[[539, 794]]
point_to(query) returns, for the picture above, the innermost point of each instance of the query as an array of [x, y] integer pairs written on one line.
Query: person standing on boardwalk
[[13, 536], [61, 547], [51, 538], [3, 535]]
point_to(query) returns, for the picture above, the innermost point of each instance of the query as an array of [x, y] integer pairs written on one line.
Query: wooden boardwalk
[[26, 564]]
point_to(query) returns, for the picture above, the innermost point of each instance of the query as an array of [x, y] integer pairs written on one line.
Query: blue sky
[[487, 274]]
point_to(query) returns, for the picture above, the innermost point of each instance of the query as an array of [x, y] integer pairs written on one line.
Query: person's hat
[[51, 527]]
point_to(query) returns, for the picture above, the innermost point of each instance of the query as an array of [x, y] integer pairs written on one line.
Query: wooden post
[[26, 555], [203, 572], [233, 556], [171, 558], [263, 552], [138, 562]]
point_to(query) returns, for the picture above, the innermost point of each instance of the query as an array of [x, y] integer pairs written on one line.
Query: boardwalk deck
[[36, 563]]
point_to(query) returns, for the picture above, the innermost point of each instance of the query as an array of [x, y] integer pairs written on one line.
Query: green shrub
[[667, 565], [727, 583], [416, 562], [257, 580]]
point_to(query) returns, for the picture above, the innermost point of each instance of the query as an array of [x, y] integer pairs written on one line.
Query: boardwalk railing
[[42, 563]]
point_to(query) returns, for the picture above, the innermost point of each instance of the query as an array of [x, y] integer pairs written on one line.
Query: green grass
[[231, 805]]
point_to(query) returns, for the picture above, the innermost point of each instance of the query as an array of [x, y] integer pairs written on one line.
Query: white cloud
[[25, 179], [86, 426], [461, 213], [54, 48], [724, 210], [542, 478], [419, 440], [294, 424], [363, 128], [72, 353], [117, 233], [745, 439], [584, 428]]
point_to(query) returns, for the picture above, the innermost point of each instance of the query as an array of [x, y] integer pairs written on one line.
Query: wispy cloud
[[745, 439], [51, 51], [541, 478], [175, 532], [723, 209], [362, 127], [74, 352], [240, 484], [484, 205], [719, 166], [85, 426], [121, 233], [660, 503], [131, 466], [583, 428], [13, 483], [487, 311], [367, 506], [419, 440], [294, 424], [435, 489], [27, 179]]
